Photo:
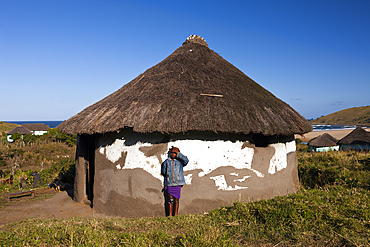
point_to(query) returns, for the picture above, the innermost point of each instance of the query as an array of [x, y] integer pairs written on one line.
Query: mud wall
[[221, 169], [79, 184]]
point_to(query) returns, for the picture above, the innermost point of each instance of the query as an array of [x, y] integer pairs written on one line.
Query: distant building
[[34, 129], [323, 143], [19, 129], [37, 129], [358, 139]]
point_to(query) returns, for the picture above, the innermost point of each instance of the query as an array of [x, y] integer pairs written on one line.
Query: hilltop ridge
[[350, 116], [5, 127]]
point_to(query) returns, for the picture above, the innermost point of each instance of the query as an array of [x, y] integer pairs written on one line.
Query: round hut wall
[[222, 169]]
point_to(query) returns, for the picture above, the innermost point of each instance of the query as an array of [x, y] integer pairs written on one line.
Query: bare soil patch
[[47, 204]]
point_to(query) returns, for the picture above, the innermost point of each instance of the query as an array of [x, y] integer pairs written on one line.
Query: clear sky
[[59, 57]]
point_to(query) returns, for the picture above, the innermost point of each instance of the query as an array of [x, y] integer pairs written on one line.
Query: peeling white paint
[[134, 159], [114, 151], [188, 178], [279, 160], [259, 174], [242, 179], [220, 182], [205, 156], [290, 147], [211, 155]]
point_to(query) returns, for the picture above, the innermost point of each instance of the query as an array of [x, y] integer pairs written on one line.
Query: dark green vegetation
[[52, 155], [61, 169], [351, 116], [331, 209]]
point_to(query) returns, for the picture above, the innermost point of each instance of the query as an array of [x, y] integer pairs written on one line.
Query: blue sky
[[59, 57]]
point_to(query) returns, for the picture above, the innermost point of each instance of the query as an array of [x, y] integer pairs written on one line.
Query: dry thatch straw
[[168, 98], [357, 136], [324, 140], [19, 129]]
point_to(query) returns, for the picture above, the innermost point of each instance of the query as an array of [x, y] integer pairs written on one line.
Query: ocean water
[[51, 124], [323, 127]]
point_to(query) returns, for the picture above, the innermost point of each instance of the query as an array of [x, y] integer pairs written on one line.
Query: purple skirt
[[174, 191]]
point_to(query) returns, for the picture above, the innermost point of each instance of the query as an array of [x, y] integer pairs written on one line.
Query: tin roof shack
[[358, 139], [323, 143], [238, 137]]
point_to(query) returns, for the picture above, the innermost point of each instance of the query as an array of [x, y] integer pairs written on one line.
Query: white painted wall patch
[[205, 156], [220, 182]]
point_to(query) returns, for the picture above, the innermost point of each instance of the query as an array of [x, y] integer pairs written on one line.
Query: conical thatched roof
[[192, 89], [357, 136], [324, 140], [37, 126], [19, 129]]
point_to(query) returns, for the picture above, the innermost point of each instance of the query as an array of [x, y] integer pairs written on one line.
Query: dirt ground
[[60, 205]]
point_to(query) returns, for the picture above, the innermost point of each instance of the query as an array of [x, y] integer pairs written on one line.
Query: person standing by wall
[[172, 171], [36, 177]]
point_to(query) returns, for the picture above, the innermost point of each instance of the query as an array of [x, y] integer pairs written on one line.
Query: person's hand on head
[[175, 150]]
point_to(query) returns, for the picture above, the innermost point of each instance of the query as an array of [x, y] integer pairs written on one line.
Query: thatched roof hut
[[324, 140], [357, 139], [323, 143], [19, 129], [238, 137], [357, 136], [36, 127], [193, 89]]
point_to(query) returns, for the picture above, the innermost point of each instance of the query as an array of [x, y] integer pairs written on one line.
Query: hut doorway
[[89, 167], [85, 169]]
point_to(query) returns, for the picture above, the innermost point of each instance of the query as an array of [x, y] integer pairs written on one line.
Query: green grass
[[350, 169], [331, 209]]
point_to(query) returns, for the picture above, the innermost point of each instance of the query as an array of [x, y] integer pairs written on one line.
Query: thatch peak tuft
[[195, 39]]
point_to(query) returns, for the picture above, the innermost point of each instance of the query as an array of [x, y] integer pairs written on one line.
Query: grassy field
[[331, 209]]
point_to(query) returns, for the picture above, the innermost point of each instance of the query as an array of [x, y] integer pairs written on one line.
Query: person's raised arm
[[183, 158]]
